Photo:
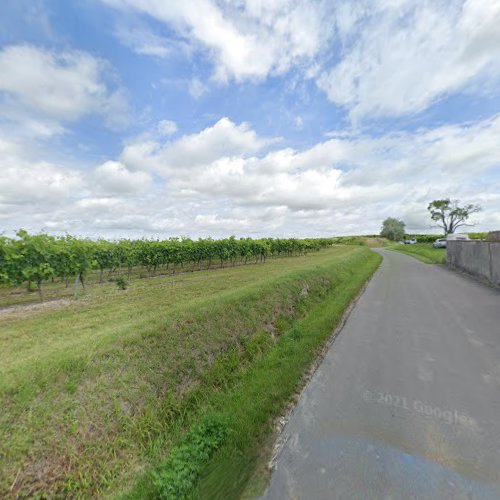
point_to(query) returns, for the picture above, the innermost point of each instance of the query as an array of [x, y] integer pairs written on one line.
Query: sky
[[284, 118]]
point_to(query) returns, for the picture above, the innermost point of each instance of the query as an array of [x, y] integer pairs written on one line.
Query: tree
[[393, 229], [449, 216]]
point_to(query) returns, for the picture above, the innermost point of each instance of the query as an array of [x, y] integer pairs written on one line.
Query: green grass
[[262, 391], [423, 251], [369, 241], [98, 396]]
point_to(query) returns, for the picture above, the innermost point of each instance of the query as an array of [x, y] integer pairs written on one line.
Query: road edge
[[276, 441]]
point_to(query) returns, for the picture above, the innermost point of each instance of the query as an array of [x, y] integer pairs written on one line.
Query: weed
[[121, 282], [174, 478]]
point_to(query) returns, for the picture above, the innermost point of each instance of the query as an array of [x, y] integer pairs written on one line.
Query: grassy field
[[170, 385], [423, 251]]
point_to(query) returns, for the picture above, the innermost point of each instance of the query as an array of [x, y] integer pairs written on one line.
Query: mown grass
[[423, 251], [96, 393]]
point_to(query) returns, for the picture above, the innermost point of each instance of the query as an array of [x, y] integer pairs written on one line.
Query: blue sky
[[248, 117]]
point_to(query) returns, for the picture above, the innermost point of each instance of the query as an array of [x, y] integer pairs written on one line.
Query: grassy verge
[[137, 383], [256, 395], [423, 251]]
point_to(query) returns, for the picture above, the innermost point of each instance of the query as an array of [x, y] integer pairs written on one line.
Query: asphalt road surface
[[407, 401]]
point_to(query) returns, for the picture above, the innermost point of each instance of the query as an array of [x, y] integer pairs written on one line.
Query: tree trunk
[[77, 279]]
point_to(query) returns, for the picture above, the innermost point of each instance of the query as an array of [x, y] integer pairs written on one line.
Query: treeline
[[431, 238], [33, 259]]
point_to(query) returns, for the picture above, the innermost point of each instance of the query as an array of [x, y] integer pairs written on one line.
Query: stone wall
[[479, 258]]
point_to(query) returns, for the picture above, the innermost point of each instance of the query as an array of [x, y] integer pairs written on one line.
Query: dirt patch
[[24, 310], [376, 242]]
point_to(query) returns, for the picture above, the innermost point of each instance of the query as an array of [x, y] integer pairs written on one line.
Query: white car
[[440, 243], [458, 236]]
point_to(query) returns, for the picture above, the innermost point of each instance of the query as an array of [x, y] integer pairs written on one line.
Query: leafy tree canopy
[[449, 215], [393, 229]]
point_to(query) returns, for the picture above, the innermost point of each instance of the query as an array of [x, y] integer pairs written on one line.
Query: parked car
[[458, 236], [410, 242], [440, 243]]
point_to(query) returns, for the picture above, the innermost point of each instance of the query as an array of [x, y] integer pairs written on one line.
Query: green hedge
[[424, 238]]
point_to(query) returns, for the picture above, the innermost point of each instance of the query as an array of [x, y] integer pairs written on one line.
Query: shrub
[[477, 236], [121, 283]]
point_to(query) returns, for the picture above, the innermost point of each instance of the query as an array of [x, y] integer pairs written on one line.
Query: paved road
[[407, 401]]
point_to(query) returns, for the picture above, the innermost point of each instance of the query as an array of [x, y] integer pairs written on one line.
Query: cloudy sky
[[247, 117]]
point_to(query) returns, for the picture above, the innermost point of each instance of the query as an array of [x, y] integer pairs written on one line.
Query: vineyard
[[110, 395], [32, 260]]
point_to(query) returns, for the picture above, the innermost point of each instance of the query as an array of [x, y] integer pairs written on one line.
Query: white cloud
[[375, 58], [113, 177], [27, 181], [223, 139], [245, 39], [144, 42], [351, 179], [226, 224], [36, 193], [167, 127], [400, 57], [224, 180], [197, 88], [53, 87]]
